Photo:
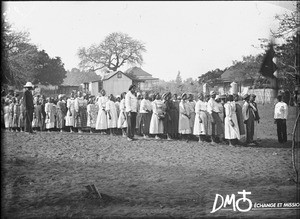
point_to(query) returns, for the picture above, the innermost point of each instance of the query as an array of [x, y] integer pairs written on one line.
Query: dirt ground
[[44, 175]]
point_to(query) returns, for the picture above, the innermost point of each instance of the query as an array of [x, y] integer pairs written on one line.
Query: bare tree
[[116, 50]]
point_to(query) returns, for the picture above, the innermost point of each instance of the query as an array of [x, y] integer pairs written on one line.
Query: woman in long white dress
[[184, 117], [231, 124], [70, 117], [156, 123], [122, 123], [201, 126], [101, 123], [112, 115]]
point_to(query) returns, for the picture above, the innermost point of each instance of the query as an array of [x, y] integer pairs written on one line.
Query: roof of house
[[139, 73], [111, 74], [79, 77]]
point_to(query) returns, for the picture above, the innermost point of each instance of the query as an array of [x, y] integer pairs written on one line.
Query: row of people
[[212, 118]]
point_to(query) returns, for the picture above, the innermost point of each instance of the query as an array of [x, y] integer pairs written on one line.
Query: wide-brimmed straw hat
[[29, 84]]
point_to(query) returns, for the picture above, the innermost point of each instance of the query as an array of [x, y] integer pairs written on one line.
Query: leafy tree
[[49, 70], [116, 50], [210, 76], [18, 56]]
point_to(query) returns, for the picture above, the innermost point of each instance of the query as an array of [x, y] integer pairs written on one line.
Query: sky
[[192, 37]]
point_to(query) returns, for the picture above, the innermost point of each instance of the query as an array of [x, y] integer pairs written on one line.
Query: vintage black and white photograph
[[150, 109]]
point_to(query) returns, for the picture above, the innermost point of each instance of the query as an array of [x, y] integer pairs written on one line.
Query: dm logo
[[230, 200]]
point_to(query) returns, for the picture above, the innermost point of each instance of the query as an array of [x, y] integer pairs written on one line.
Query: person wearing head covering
[[70, 117], [50, 114], [80, 105], [184, 118], [253, 105], [112, 117], [239, 114], [158, 115], [171, 119], [280, 116], [249, 117], [146, 113], [174, 113], [61, 113], [131, 111], [101, 123], [232, 131], [202, 125], [122, 122], [217, 126], [37, 116], [29, 107], [92, 112]]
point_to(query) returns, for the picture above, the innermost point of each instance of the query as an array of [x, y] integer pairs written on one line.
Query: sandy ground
[[44, 175]]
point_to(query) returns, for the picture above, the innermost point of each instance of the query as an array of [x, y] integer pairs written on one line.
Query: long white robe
[[231, 132]]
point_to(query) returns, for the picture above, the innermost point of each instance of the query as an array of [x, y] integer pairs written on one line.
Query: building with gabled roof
[[78, 80], [144, 80]]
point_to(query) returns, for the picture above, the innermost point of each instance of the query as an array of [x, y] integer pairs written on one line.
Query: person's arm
[[128, 102], [286, 111]]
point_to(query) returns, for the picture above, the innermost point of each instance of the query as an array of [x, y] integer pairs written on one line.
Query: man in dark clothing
[[29, 107]]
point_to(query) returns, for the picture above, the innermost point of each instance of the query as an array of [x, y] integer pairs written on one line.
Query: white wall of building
[[116, 85]]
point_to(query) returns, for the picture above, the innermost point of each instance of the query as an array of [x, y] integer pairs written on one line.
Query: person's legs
[[279, 130], [283, 131]]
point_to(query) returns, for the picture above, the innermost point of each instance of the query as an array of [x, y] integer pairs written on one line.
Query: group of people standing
[[213, 118]]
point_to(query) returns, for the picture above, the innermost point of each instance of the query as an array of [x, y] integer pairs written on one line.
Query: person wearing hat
[[217, 126], [29, 107], [131, 111], [184, 118], [280, 116], [249, 117]]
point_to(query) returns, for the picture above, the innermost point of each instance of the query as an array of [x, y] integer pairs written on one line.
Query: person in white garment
[[122, 123], [112, 115], [280, 116], [231, 125], [101, 123], [131, 111]]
